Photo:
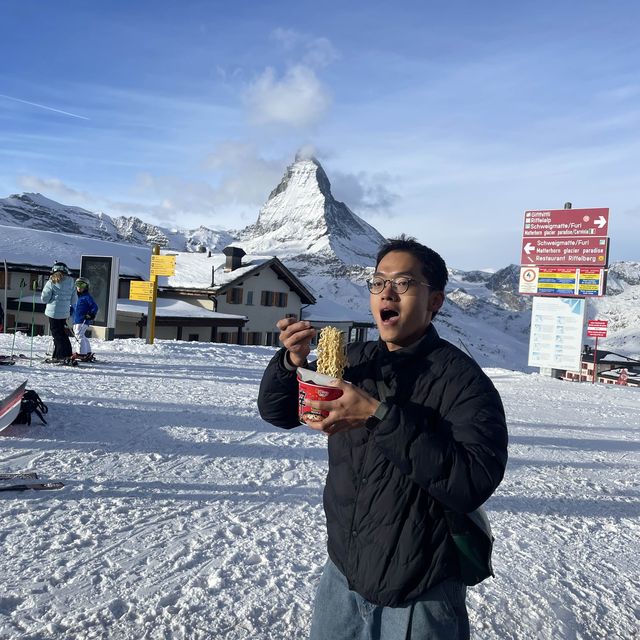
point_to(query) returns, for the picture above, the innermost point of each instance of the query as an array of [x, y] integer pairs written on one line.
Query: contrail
[[42, 106]]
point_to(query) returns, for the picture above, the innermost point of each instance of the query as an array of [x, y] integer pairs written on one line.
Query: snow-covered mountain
[[332, 249], [35, 211], [306, 225]]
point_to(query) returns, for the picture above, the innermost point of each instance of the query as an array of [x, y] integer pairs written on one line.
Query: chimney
[[234, 257], [213, 275]]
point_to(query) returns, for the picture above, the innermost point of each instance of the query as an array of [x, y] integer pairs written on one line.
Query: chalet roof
[[608, 357], [207, 273]]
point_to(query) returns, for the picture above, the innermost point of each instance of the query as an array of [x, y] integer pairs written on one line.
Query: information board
[[103, 274], [556, 333]]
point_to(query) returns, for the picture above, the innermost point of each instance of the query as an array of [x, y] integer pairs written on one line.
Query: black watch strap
[[380, 414]]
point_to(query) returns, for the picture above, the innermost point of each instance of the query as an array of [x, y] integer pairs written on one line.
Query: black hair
[[434, 268]]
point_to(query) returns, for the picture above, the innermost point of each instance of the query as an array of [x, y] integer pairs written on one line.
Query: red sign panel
[[597, 328], [578, 252], [566, 223]]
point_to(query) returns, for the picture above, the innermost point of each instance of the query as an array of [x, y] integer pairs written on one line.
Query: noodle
[[331, 356]]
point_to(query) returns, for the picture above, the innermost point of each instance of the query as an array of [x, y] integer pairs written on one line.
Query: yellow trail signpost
[[147, 290], [141, 290]]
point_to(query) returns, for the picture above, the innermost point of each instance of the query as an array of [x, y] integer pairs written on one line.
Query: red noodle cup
[[314, 386]]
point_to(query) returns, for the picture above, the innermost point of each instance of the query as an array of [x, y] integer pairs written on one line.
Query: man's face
[[403, 318]]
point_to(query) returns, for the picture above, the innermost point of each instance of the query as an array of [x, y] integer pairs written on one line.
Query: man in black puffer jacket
[[419, 430]]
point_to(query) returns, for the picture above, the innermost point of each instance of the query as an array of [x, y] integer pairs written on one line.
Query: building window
[[234, 296], [271, 338], [194, 337], [267, 299], [249, 298], [274, 299], [253, 337]]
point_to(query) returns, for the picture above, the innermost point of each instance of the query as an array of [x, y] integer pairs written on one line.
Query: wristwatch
[[380, 414]]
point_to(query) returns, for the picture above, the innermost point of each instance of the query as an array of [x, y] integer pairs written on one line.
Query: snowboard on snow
[[10, 406]]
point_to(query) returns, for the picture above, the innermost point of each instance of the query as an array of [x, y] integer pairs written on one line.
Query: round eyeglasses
[[399, 285]]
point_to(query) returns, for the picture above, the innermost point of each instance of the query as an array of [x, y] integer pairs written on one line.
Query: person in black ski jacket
[[419, 430]]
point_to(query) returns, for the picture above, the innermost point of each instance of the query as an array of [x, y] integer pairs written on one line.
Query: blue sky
[[443, 120]]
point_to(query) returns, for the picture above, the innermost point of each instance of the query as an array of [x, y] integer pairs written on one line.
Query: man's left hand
[[349, 411]]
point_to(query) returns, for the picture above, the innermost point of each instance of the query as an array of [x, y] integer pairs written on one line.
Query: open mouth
[[388, 315]]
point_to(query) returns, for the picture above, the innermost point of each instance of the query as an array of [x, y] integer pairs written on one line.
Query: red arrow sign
[[579, 252], [566, 223]]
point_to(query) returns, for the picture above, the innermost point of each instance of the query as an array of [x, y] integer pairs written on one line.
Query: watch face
[[371, 422]]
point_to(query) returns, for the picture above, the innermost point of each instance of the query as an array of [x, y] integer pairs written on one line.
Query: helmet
[[60, 266], [82, 283]]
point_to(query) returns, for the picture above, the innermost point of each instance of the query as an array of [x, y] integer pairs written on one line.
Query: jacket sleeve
[[458, 457], [47, 292], [278, 395], [93, 307]]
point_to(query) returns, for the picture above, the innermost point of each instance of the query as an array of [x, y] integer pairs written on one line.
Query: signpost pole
[[151, 315], [595, 360]]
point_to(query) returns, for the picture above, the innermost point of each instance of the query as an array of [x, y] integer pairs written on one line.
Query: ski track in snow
[[186, 516]]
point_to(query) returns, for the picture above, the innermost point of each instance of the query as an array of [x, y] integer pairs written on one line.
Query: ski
[[90, 358], [33, 486], [19, 475], [69, 362]]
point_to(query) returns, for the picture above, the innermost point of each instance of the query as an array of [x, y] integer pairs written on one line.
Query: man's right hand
[[296, 336]]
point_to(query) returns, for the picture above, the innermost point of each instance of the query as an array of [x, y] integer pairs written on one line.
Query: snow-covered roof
[[195, 271], [171, 308], [42, 248], [616, 357]]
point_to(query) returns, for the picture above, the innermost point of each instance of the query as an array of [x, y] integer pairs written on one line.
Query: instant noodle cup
[[314, 386]]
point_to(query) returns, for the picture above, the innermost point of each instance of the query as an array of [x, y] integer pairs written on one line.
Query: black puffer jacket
[[442, 445]]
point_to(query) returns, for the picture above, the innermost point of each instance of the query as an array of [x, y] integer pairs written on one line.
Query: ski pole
[[33, 313], [15, 324]]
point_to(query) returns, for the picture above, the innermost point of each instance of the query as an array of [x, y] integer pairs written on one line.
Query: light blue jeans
[[340, 614]]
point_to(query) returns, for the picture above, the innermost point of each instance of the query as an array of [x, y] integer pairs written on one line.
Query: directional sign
[[141, 290], [163, 265], [597, 328], [562, 281], [579, 251], [562, 223]]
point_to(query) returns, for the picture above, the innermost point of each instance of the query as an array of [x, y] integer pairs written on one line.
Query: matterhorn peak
[[302, 221]]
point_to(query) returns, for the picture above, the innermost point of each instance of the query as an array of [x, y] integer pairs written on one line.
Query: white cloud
[[297, 99], [310, 51], [51, 187], [365, 193], [245, 176]]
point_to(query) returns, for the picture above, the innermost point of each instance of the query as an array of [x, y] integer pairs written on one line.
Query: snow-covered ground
[[186, 516]]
